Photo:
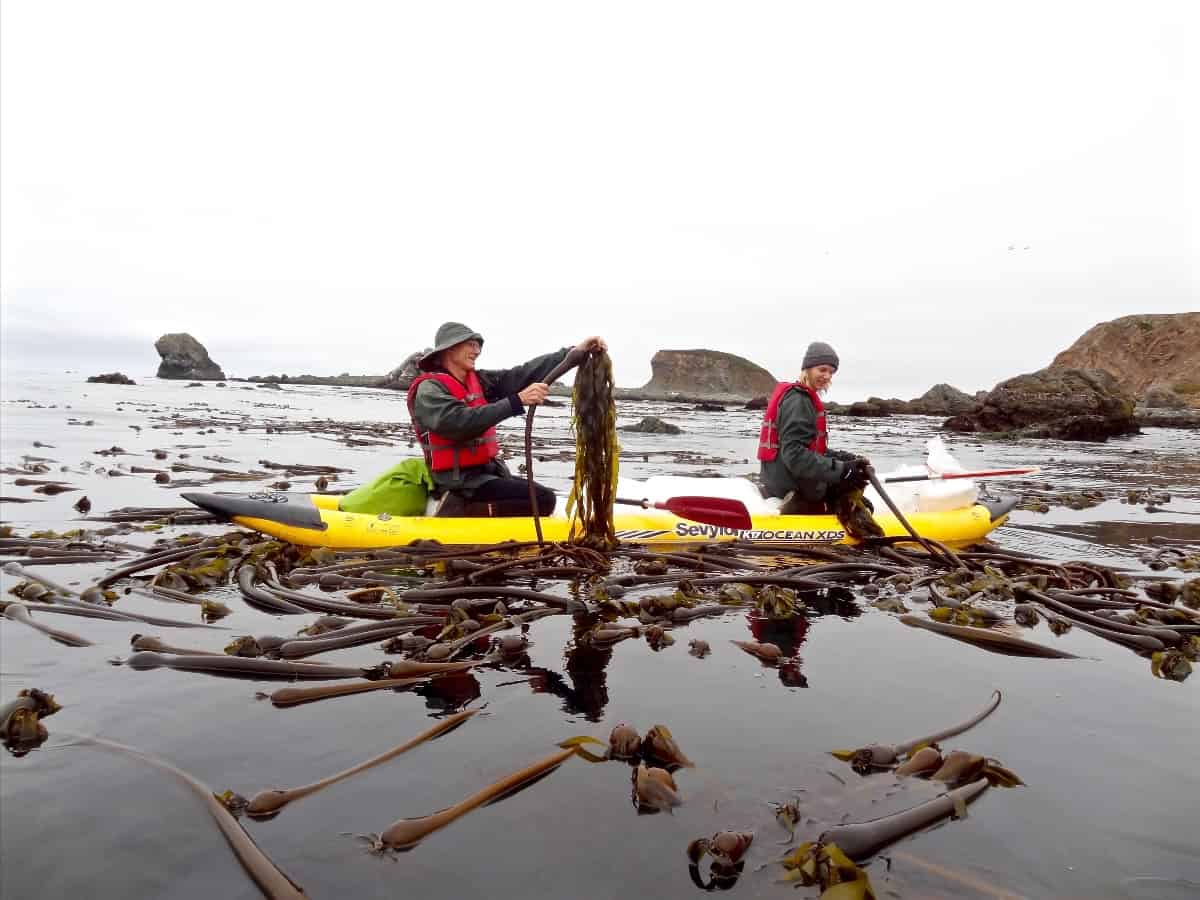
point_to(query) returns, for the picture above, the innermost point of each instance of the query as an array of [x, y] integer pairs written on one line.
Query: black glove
[[857, 473]]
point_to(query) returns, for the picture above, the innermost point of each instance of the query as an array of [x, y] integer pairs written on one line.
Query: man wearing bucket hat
[[455, 408], [796, 462]]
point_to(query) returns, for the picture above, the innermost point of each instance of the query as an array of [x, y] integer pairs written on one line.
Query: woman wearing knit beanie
[[796, 462]]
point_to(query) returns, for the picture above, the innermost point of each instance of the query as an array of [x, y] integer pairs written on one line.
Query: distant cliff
[[1141, 351], [706, 373]]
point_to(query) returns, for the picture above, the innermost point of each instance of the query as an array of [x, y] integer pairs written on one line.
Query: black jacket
[[797, 468], [436, 409]]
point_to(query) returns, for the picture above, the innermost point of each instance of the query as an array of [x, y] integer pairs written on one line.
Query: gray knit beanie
[[819, 354]]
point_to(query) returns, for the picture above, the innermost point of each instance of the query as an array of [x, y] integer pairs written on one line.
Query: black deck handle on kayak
[[574, 357]]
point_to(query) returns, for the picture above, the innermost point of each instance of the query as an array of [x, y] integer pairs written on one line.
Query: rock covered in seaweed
[[1067, 404], [653, 425], [111, 378]]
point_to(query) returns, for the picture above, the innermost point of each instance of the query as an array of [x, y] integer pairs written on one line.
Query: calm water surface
[[1108, 753]]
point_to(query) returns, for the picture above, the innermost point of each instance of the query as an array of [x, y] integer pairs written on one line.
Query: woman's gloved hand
[[857, 473]]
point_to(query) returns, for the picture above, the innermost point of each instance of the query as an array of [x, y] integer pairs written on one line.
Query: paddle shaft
[[947, 476]]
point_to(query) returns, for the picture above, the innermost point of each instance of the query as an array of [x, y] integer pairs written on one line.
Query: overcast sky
[[944, 191]]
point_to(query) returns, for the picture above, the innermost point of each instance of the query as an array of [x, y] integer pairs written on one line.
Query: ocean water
[[1107, 752]]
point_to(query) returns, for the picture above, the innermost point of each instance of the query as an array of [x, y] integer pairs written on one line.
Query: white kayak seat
[[928, 496], [923, 496]]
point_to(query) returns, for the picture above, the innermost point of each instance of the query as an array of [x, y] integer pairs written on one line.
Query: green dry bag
[[400, 491]]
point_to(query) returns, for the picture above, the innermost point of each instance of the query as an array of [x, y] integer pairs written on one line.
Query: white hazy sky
[[944, 191]]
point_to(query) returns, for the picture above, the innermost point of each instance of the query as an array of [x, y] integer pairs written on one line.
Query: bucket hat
[[448, 334]]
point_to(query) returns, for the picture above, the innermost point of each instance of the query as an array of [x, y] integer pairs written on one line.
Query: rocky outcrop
[[1159, 396], [653, 425], [343, 380], [1069, 404], [111, 378], [185, 357], [1162, 407], [872, 408], [1142, 350], [1157, 417], [941, 400], [401, 377], [707, 374]]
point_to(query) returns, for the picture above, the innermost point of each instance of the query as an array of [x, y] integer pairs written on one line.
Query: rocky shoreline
[[1137, 371]]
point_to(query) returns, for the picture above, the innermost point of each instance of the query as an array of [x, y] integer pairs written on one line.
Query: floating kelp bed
[[436, 614]]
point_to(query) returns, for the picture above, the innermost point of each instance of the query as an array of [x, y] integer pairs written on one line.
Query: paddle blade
[[710, 510]]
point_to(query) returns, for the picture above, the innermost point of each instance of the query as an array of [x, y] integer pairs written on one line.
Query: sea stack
[[707, 374], [185, 357]]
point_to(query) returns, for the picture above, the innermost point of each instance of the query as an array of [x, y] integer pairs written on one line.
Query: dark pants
[[794, 506], [501, 497]]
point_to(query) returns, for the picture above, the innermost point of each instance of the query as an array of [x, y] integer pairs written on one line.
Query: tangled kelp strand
[[150, 642], [18, 612], [301, 647], [1162, 634], [246, 581], [881, 755], [244, 667], [861, 840], [270, 878], [597, 455], [997, 642], [285, 697], [268, 803], [66, 607], [405, 834]]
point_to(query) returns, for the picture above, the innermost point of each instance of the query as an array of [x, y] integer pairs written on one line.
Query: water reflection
[[790, 634], [586, 692], [450, 692], [720, 878]]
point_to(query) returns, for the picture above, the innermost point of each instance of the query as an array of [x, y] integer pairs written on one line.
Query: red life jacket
[[768, 437], [441, 453]]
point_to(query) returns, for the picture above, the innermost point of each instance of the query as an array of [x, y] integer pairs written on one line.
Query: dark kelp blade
[[597, 455]]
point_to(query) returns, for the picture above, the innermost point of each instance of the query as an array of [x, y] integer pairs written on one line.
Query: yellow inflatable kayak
[[314, 520]]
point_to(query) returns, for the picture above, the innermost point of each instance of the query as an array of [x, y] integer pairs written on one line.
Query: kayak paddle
[[946, 476], [717, 511]]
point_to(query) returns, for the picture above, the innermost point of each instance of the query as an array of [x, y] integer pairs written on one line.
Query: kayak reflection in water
[[793, 449], [455, 408]]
